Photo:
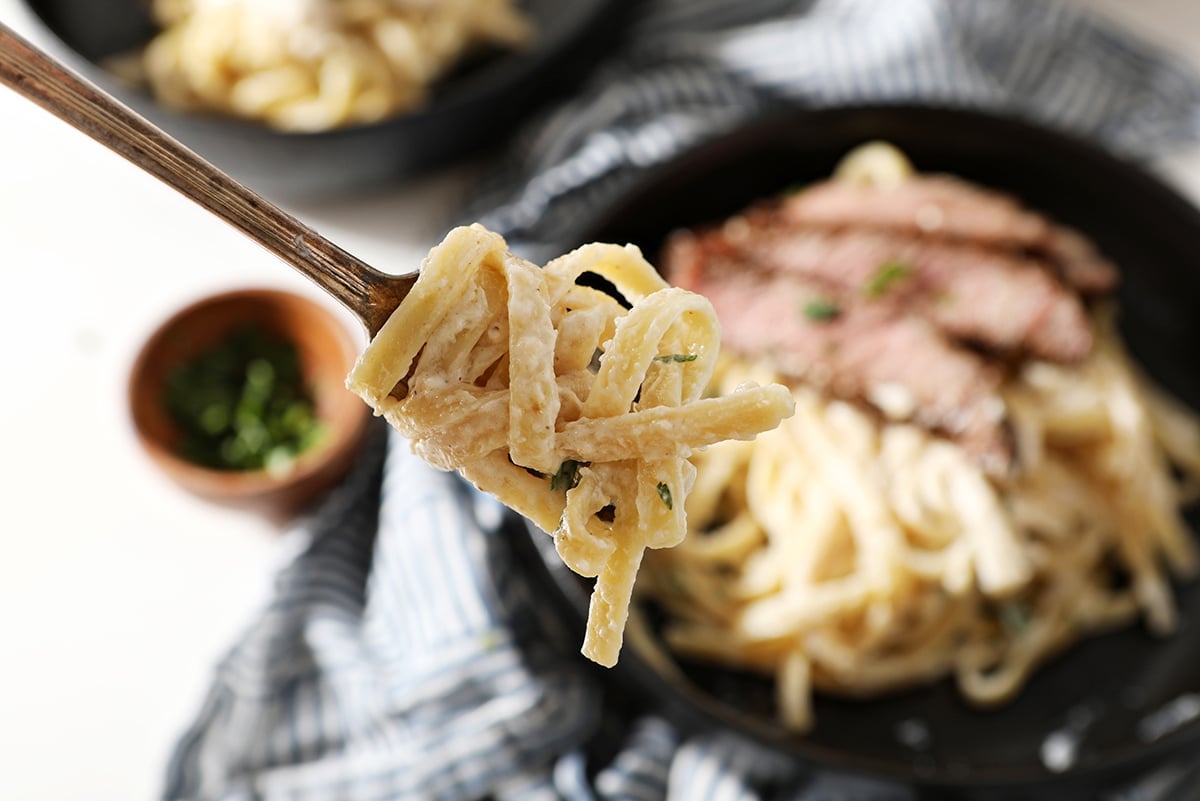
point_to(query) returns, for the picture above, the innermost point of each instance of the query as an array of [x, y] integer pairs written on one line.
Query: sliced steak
[[924, 204], [1078, 261], [1000, 300], [912, 298], [947, 207], [856, 352]]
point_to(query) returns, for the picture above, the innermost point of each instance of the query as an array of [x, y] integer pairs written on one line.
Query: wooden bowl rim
[[346, 430]]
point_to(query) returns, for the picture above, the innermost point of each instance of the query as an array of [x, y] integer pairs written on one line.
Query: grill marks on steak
[[925, 290]]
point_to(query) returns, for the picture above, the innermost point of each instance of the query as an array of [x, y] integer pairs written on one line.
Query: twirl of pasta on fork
[[576, 408]]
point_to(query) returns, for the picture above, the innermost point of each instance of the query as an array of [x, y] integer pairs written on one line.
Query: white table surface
[[118, 591]]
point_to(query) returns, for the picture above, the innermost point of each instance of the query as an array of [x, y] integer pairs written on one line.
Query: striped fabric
[[696, 67], [402, 655]]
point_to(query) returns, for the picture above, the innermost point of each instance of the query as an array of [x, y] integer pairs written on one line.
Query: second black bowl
[[476, 107]]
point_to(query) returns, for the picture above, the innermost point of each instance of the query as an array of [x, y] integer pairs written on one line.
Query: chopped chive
[[676, 357], [664, 492], [821, 311], [566, 477], [243, 403], [886, 276]]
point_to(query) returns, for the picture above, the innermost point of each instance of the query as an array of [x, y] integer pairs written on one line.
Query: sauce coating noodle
[[571, 408]]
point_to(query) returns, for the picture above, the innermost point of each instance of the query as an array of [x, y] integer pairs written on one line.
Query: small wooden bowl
[[327, 351]]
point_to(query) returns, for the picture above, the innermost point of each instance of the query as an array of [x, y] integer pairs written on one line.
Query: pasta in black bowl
[[297, 128], [1092, 712]]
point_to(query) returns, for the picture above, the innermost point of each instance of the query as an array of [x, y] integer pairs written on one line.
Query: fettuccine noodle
[[841, 554], [314, 65], [572, 409]]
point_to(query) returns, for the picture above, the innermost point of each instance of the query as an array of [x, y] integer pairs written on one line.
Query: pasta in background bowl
[[317, 65], [1104, 697], [436, 108]]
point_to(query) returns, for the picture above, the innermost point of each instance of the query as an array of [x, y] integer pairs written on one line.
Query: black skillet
[[474, 108], [1101, 693]]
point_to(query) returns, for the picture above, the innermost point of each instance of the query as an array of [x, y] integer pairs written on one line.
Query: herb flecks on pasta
[[570, 407]]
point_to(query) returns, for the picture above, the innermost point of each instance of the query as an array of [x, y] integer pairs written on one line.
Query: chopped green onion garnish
[[821, 311], [676, 357], [566, 477], [243, 404], [664, 492], [886, 276]]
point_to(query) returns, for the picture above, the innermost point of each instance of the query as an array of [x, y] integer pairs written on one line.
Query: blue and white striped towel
[[696, 67], [402, 655]]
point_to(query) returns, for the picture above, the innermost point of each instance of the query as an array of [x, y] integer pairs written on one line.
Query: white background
[[118, 591]]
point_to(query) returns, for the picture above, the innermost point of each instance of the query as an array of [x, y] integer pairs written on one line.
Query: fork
[[369, 294]]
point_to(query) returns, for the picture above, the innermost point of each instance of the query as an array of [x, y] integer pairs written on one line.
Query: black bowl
[[1111, 683], [473, 108]]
